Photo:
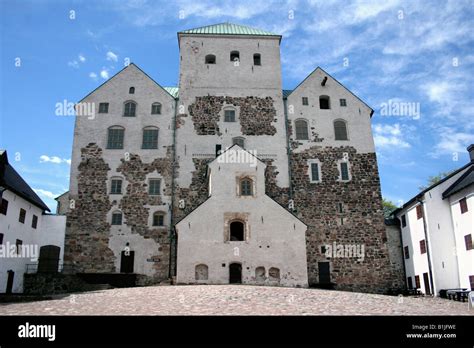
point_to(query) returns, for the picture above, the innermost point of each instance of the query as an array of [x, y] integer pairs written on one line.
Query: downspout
[[428, 253], [172, 231], [288, 148]]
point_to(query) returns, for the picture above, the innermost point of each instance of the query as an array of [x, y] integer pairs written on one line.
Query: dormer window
[[210, 59], [239, 141]]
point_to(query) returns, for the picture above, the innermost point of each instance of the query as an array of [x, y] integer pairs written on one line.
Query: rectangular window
[[158, 220], [229, 115], [150, 139], [156, 109], [417, 282], [116, 187], [407, 252], [103, 108], [115, 138], [1, 238], [18, 245], [340, 208], [410, 283], [3, 206], [342, 102], [314, 172], [344, 171], [419, 211], [34, 221], [471, 281], [468, 241], [116, 218], [422, 246], [305, 101], [463, 205], [218, 149], [22, 216], [404, 220], [154, 187]]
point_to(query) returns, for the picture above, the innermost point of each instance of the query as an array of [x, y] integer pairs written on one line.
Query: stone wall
[[360, 223], [256, 114], [87, 229]]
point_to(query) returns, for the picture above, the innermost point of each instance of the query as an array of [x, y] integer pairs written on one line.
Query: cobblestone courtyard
[[233, 300]]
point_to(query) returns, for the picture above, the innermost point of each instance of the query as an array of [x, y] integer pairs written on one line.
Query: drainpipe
[[288, 148], [172, 231], [428, 253]]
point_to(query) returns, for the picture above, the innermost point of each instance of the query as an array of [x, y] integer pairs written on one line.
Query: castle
[[227, 178]]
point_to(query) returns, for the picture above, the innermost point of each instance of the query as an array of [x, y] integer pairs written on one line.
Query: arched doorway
[[235, 273]]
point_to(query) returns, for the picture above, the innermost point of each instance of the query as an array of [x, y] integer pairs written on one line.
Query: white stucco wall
[[274, 237]]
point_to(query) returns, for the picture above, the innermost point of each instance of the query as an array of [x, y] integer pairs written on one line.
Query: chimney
[[470, 149]]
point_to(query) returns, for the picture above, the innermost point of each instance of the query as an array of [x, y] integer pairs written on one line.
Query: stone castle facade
[[154, 192]]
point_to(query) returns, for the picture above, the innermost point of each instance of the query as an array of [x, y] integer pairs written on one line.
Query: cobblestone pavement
[[233, 300]]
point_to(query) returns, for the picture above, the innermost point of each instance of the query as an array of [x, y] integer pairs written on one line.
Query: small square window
[[156, 109], [34, 222], [158, 219], [342, 102], [229, 115], [305, 100], [154, 187], [468, 241], [103, 108], [22, 216]]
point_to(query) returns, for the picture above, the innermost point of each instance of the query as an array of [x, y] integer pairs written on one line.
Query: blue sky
[[416, 53]]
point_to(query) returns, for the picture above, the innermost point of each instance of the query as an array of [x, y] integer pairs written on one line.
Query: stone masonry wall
[[363, 224]]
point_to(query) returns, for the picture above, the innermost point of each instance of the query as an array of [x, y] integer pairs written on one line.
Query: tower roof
[[228, 29]]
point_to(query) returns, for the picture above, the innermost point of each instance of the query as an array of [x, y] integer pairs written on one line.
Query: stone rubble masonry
[[256, 114], [316, 205], [87, 229]]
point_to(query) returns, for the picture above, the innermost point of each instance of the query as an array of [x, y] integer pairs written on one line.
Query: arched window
[[257, 60], [210, 59], [201, 272], [260, 274], [150, 138], [239, 141], [301, 127], [158, 218], [246, 187], [234, 56], [117, 218], [115, 135], [131, 90], [340, 130], [324, 102], [237, 230], [156, 109], [274, 273], [129, 109]]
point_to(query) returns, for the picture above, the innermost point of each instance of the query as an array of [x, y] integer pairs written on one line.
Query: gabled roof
[[228, 29], [464, 181], [10, 179], [236, 145], [288, 92], [128, 66]]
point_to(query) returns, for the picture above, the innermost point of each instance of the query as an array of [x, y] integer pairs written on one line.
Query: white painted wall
[[275, 239]]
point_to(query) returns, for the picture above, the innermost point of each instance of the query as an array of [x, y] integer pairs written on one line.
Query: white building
[[27, 233], [437, 227]]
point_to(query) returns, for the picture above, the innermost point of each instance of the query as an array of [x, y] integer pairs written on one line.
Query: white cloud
[[93, 76], [112, 56], [44, 193], [104, 74], [82, 59], [451, 142], [74, 64], [386, 136], [54, 159]]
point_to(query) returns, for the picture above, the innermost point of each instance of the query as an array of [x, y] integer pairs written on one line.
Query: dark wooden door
[[426, 280], [49, 259], [126, 261], [11, 276], [235, 273], [324, 274]]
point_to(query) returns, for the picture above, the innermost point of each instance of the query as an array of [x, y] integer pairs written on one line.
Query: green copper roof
[[228, 29], [286, 92], [174, 91]]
